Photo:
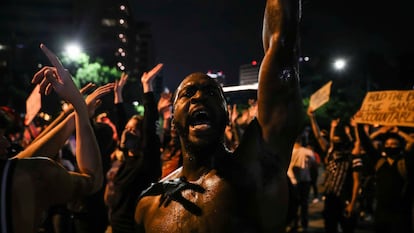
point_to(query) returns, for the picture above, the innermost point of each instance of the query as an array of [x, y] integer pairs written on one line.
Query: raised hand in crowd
[[51, 139], [119, 87]]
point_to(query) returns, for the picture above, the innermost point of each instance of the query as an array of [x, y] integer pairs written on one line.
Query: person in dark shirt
[[394, 174], [139, 164], [343, 165]]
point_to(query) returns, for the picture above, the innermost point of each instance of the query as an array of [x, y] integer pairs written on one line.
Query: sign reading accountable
[[387, 108]]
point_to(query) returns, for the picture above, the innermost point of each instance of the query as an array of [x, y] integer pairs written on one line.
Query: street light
[[339, 64], [73, 51]]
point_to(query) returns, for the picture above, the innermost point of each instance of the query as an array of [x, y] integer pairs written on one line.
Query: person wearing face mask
[[394, 168], [137, 162], [343, 166], [342, 182]]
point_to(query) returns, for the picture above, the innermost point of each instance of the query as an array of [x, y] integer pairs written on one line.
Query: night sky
[[207, 35]]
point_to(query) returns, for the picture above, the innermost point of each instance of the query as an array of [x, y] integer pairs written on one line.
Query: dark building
[[105, 28], [23, 25], [249, 73]]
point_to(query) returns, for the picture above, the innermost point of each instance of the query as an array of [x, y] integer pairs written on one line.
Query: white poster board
[[33, 105], [320, 97]]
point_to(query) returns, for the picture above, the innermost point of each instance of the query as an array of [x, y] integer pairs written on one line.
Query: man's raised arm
[[279, 104]]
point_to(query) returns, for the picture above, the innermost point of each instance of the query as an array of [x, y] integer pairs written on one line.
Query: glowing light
[[339, 64], [73, 51]]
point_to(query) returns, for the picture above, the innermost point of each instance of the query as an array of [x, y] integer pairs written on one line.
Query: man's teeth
[[200, 118], [201, 126]]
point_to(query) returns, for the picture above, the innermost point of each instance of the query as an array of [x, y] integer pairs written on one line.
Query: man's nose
[[197, 97]]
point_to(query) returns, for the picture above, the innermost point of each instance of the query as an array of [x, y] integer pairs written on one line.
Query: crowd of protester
[[366, 177], [365, 168]]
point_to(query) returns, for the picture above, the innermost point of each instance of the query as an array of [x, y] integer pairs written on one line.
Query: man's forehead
[[198, 79]]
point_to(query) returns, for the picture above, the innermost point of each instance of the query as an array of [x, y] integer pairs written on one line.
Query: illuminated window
[[108, 22]]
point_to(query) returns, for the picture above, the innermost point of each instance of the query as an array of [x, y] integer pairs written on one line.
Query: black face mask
[[131, 141], [392, 152]]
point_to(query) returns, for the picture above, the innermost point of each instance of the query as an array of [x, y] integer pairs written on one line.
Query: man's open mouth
[[200, 120]]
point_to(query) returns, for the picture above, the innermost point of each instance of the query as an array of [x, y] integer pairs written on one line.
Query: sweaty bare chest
[[209, 210], [220, 207]]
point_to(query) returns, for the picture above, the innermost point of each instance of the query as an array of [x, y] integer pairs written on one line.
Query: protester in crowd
[[321, 136], [247, 190], [314, 173], [299, 173], [164, 107], [139, 157], [366, 176], [232, 134], [90, 214], [13, 131], [5, 123], [394, 168], [343, 166], [63, 217], [171, 157], [342, 175], [104, 118], [30, 185]]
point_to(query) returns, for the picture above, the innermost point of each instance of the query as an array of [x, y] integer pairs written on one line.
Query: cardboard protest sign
[[33, 105], [387, 108], [321, 96]]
